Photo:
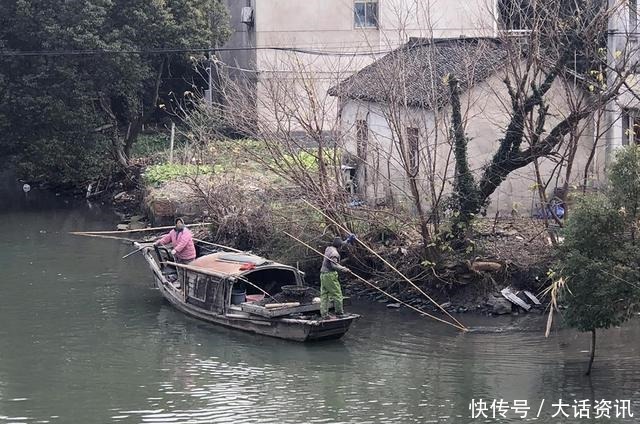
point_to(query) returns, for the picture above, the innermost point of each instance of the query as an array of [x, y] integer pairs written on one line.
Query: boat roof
[[231, 263]]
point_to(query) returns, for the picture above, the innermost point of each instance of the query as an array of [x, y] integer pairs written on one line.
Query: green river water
[[84, 338]]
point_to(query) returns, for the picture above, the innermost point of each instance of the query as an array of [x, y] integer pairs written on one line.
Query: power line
[[48, 53]]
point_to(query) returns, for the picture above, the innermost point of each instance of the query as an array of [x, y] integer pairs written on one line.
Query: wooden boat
[[230, 288]]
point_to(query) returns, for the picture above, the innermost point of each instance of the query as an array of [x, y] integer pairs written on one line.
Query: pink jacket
[[182, 243]]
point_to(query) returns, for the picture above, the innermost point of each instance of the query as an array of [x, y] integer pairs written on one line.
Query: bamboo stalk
[[103, 236], [459, 327], [218, 245], [81, 233], [390, 265]]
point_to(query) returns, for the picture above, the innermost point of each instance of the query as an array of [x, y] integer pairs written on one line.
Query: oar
[[131, 253], [103, 236]]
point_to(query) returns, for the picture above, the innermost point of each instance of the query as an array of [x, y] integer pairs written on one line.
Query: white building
[[332, 31]]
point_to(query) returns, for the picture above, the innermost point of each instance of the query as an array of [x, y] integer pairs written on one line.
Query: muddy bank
[[514, 253]]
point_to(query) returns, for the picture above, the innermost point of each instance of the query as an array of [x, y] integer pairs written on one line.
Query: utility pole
[[209, 94], [213, 78]]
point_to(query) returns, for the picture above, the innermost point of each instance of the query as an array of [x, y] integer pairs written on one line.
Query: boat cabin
[[219, 282]]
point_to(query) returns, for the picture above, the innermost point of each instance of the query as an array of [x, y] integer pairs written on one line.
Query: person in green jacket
[[329, 282]]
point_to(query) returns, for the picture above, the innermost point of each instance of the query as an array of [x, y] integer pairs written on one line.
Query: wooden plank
[[282, 305], [533, 298], [511, 297], [271, 313]]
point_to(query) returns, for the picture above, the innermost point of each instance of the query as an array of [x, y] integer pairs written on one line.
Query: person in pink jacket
[[182, 241]]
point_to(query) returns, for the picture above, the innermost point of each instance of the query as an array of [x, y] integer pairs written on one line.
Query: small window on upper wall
[[365, 13], [633, 15]]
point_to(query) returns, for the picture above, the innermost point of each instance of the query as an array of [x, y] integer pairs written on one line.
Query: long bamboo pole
[[141, 230], [218, 245], [459, 327], [388, 264], [104, 236]]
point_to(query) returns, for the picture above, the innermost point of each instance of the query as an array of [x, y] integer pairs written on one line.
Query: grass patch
[[157, 174]]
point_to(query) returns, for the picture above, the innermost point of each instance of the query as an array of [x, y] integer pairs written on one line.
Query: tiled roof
[[418, 71]]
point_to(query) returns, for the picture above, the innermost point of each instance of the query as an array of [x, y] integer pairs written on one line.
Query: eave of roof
[[424, 64]]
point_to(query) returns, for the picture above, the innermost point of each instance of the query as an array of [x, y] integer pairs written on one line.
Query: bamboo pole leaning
[[141, 230], [421, 312], [218, 245], [390, 266], [104, 236]]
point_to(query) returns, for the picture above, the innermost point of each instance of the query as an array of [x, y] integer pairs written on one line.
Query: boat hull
[[300, 330]]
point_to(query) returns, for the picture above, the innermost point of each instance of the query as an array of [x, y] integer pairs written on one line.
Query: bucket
[[238, 296]]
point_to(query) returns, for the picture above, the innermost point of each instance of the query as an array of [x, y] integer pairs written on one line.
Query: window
[[197, 287], [633, 15], [630, 126], [362, 138], [413, 141], [515, 15], [365, 13]]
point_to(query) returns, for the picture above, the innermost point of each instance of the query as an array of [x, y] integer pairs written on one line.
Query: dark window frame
[[630, 126], [369, 7]]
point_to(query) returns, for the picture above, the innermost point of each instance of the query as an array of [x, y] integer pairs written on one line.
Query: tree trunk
[[593, 350], [465, 187]]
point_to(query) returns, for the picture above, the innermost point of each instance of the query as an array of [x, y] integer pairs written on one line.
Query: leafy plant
[[157, 174]]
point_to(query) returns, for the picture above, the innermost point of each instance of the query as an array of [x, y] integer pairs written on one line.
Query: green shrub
[[151, 144], [599, 258], [65, 164]]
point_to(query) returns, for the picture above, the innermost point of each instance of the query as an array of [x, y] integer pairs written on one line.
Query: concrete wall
[[623, 44], [328, 25], [241, 36], [486, 118]]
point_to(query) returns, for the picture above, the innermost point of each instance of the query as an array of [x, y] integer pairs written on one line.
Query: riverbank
[[513, 253]]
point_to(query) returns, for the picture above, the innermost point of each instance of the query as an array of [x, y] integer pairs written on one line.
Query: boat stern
[[330, 329]]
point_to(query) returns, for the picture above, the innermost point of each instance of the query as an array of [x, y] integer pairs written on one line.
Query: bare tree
[[546, 57]]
